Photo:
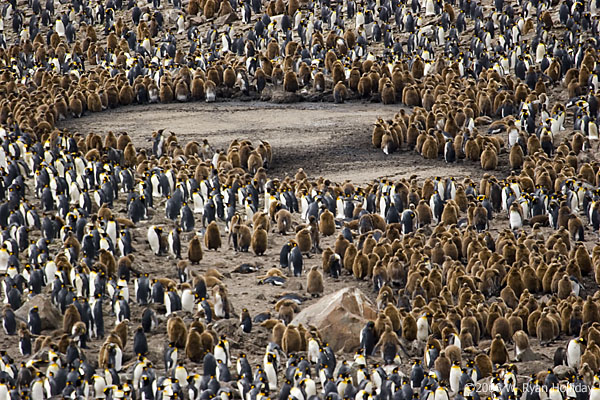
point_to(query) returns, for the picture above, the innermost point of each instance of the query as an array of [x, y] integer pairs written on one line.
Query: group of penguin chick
[[445, 284]]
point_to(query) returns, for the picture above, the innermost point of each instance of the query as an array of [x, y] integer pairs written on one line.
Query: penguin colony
[[443, 283]]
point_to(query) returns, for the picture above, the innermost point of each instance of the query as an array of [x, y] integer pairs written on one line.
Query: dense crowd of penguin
[[462, 271]]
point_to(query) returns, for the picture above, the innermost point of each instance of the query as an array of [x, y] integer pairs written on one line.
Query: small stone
[[562, 371], [261, 296], [226, 19]]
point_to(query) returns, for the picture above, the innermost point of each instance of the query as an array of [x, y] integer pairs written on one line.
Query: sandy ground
[[325, 139]]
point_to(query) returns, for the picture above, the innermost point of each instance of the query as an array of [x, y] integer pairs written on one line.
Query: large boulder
[[340, 317], [50, 315]]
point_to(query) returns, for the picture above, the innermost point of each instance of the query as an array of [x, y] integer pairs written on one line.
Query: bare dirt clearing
[[331, 140]]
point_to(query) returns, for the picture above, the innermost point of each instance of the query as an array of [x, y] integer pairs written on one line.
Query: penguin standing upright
[[187, 218], [245, 321], [140, 343], [174, 243], [515, 216], [408, 221], [295, 262], [368, 338], [574, 352], [8, 320], [155, 239]]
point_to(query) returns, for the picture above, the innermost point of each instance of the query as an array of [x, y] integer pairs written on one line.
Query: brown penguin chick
[[176, 331], [326, 223], [480, 218], [210, 90], [75, 106], [195, 250], [229, 77], [484, 364], [472, 150], [409, 327], [277, 329], [545, 329], [516, 157], [389, 143], [521, 340], [515, 282], [193, 345], [364, 86], [360, 265], [442, 365], [209, 9], [501, 327], [290, 82], [590, 311], [509, 297], [388, 344], [469, 324], [583, 259], [197, 88], [207, 340], [254, 162], [429, 150], [377, 135], [286, 313], [575, 227], [166, 93], [259, 241], [292, 7], [326, 259], [129, 155], [450, 214], [193, 7], [424, 214], [564, 287], [314, 282], [489, 159], [303, 238], [122, 331], [411, 96], [242, 237], [291, 341], [261, 220], [341, 245], [283, 219], [225, 9], [70, 318], [319, 82], [388, 94], [313, 228], [182, 92], [212, 236], [104, 213], [498, 352], [340, 93], [126, 95]]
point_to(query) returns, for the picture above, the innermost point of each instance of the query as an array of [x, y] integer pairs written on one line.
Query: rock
[[528, 355], [260, 296], [226, 19], [339, 317], [281, 97], [50, 315], [369, 30], [562, 371]]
